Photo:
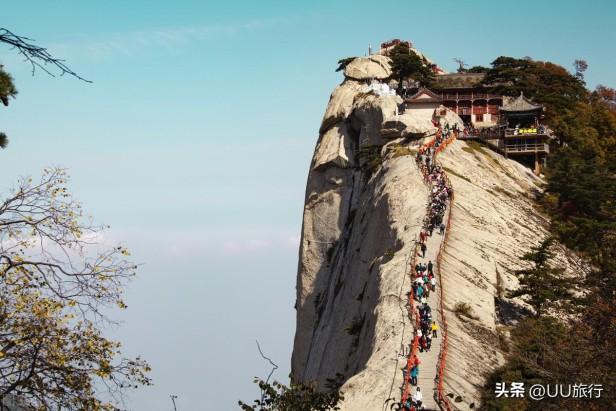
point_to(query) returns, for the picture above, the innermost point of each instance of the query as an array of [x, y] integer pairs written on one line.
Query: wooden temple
[[522, 135], [509, 125], [464, 94]]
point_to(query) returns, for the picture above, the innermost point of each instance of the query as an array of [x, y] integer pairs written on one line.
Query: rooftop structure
[[520, 105], [519, 134], [459, 80], [464, 94]]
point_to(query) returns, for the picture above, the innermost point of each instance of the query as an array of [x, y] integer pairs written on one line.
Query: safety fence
[[413, 312], [442, 399]]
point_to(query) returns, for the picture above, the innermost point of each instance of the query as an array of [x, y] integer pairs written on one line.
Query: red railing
[[413, 313], [470, 96], [442, 399]]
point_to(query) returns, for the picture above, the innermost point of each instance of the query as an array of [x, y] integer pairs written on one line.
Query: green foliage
[[370, 158], [542, 284], [580, 67], [581, 201], [606, 95], [342, 63], [7, 88], [296, 397], [582, 181], [544, 82], [406, 64], [356, 326], [536, 352], [547, 351], [463, 310], [401, 150], [477, 69], [53, 354]]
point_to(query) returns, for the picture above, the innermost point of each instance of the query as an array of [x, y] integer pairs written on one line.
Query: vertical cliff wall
[[365, 201]]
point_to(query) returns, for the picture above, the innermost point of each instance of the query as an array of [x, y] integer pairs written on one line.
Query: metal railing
[[527, 148], [470, 96], [442, 399]]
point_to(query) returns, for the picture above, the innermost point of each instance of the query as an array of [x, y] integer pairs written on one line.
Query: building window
[[479, 118]]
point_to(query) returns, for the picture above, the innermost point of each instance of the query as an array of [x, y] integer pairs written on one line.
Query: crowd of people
[[424, 281]]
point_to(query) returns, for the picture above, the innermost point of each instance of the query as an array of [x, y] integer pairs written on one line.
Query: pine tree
[[407, 64], [542, 284]]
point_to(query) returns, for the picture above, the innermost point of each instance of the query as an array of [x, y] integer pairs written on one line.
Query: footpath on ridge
[[424, 367]]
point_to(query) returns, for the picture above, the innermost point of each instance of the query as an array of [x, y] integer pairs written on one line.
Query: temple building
[[512, 126], [523, 136], [509, 125], [464, 94], [423, 102]]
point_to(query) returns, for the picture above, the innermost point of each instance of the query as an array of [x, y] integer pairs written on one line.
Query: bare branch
[[274, 365], [38, 57]]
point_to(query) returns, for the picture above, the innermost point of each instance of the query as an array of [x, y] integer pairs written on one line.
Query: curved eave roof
[[521, 104]]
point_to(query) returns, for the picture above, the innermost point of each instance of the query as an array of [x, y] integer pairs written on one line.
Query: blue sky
[[194, 142]]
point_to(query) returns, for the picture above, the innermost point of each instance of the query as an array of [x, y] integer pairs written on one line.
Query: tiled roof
[[521, 103], [459, 80], [428, 97]]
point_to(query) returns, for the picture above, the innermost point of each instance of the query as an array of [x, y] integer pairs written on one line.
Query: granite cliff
[[364, 206]]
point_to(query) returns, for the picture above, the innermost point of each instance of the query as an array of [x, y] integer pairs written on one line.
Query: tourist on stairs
[[418, 397], [414, 373]]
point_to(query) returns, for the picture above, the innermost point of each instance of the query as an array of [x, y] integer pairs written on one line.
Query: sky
[[194, 141]]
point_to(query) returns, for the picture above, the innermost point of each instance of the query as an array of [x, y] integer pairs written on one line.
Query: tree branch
[[38, 57]]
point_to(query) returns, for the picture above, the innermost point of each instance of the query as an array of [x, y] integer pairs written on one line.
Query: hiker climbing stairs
[[422, 388]]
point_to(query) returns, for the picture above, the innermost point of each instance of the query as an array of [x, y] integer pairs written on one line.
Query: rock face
[[407, 125], [367, 68], [493, 223], [334, 148], [365, 202]]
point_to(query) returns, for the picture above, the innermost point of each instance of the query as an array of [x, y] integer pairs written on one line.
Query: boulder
[[446, 116], [367, 68], [334, 148], [407, 125]]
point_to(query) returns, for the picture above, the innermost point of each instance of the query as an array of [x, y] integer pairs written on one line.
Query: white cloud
[[135, 42], [242, 246], [233, 242]]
